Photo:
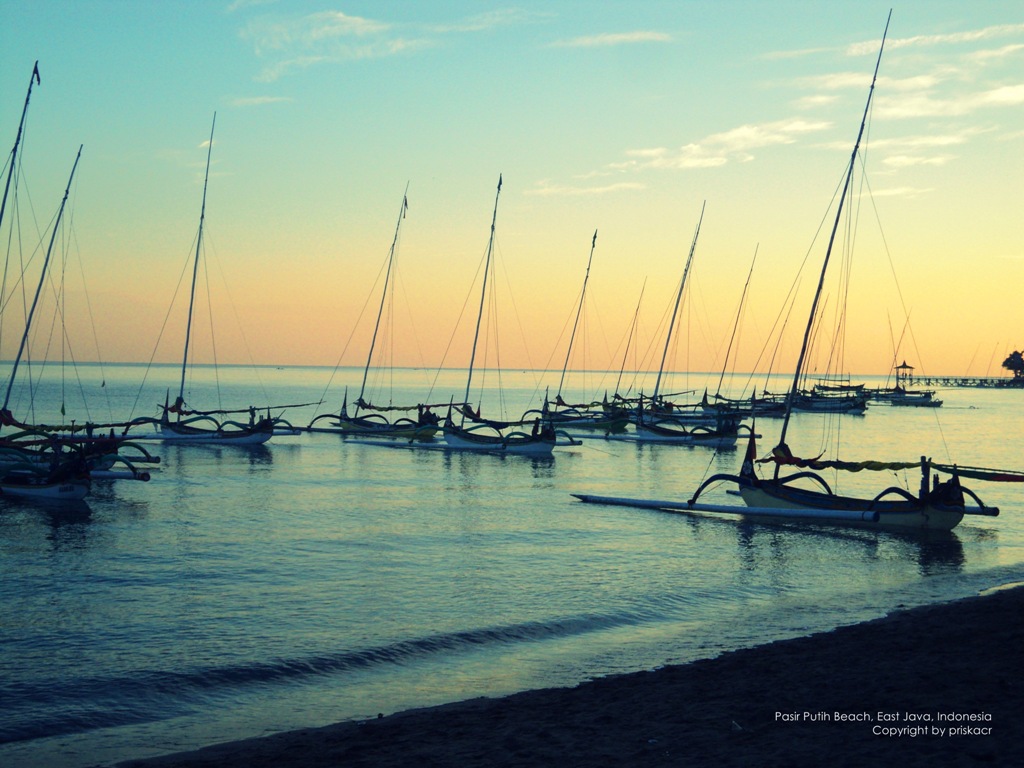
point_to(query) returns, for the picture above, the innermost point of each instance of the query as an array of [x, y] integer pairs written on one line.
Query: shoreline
[[879, 690]]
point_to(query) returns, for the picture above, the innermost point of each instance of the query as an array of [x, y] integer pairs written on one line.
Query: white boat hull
[[513, 444], [171, 434]]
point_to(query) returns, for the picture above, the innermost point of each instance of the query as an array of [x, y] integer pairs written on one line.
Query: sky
[[624, 118]]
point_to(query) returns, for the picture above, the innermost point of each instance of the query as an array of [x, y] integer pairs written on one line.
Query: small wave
[[47, 709]]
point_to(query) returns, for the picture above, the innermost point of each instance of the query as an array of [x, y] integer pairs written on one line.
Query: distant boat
[[937, 506], [179, 422], [902, 394], [480, 435], [658, 420], [375, 422], [576, 417]]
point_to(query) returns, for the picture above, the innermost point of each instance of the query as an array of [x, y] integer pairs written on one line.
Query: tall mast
[[195, 266], [675, 310], [17, 139], [42, 279], [384, 293], [579, 309], [828, 252], [483, 294]]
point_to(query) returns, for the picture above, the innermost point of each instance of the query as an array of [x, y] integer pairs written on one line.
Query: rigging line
[[384, 291], [348, 341], [675, 310], [632, 330], [739, 313], [579, 310], [213, 336], [209, 244], [470, 293], [163, 327]]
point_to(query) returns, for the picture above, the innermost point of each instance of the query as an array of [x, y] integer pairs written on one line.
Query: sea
[[242, 592]]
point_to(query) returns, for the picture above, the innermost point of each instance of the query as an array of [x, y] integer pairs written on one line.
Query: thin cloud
[[954, 38], [546, 189], [257, 101], [330, 36], [300, 42], [901, 192], [485, 22], [928, 105], [613, 38], [908, 161], [717, 149]]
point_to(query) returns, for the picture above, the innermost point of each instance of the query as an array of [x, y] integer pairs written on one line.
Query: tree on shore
[[1015, 363]]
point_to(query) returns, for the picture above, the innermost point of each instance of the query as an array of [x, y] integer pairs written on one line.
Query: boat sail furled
[[938, 505]]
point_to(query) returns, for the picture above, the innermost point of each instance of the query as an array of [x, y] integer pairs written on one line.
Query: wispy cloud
[[484, 22], [613, 38], [547, 189], [257, 101], [953, 38], [901, 192], [329, 36], [295, 43], [928, 104], [735, 145], [907, 161]]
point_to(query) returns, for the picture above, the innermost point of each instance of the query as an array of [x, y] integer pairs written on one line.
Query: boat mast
[[17, 139], [828, 252], [39, 288], [483, 294], [579, 309], [675, 310], [384, 293], [195, 267]]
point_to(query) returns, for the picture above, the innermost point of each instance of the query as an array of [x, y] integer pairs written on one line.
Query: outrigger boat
[[578, 417], [491, 436], [938, 506], [178, 422], [375, 421], [656, 420]]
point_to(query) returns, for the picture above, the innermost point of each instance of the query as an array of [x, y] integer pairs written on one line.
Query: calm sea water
[[247, 591]]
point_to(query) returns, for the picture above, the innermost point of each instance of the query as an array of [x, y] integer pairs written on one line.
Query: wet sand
[[948, 676]]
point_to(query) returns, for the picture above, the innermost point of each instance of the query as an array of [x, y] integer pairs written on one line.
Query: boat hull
[[523, 445], [890, 515], [172, 433], [397, 431], [68, 490]]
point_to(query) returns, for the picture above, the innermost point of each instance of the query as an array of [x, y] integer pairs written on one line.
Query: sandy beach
[[937, 685]]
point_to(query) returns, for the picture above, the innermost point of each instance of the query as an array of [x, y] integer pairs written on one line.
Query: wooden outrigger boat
[[657, 420], [482, 436], [181, 424], [371, 420], [939, 505], [578, 417]]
